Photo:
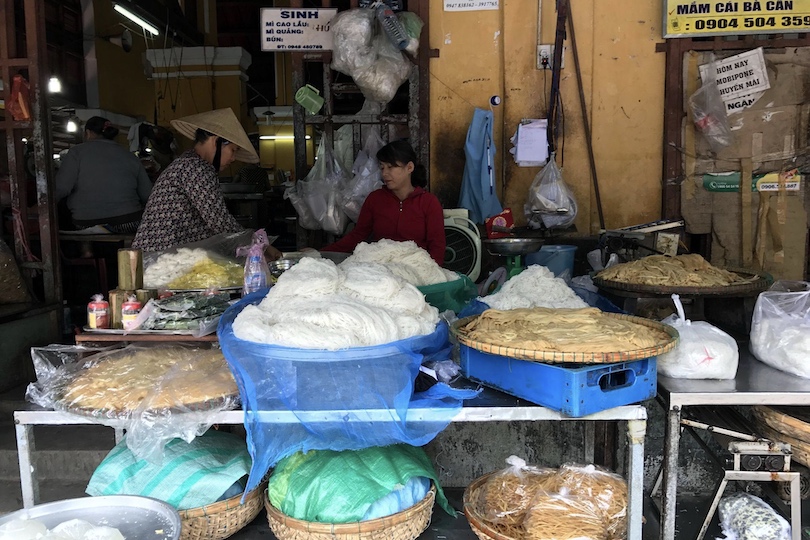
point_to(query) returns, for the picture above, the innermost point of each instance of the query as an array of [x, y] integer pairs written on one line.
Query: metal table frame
[[491, 406], [756, 384]]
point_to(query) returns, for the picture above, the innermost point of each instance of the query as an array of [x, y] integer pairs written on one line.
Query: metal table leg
[[796, 507], [636, 431], [28, 473], [672, 439]]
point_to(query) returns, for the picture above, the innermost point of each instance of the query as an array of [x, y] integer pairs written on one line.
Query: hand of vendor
[[271, 253]]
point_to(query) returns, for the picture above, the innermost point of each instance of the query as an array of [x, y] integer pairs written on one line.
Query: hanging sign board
[[471, 5], [296, 29], [688, 19], [739, 75]]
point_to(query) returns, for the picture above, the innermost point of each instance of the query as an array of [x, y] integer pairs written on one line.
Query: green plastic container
[[451, 295]]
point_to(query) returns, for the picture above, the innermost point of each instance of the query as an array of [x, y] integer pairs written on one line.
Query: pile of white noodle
[[536, 286], [404, 259]]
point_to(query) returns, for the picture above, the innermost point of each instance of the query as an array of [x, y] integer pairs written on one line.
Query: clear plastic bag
[[550, 199], [352, 30], [606, 490], [381, 80], [746, 517], [703, 351], [507, 495], [198, 313], [256, 271], [12, 286], [709, 111], [367, 176], [780, 329], [563, 516], [156, 393]]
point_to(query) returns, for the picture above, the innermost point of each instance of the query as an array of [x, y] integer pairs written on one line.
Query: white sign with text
[[296, 29]]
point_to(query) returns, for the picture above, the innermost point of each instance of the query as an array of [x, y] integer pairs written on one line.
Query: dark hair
[[200, 136], [401, 153], [102, 127]]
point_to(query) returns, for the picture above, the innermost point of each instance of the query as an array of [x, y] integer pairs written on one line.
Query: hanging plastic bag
[[381, 80], [367, 177], [703, 351], [709, 111], [413, 27], [550, 199], [746, 517], [352, 31], [256, 270], [780, 329]]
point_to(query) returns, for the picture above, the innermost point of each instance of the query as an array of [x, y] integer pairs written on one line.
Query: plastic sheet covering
[[780, 329], [341, 400], [198, 265], [156, 393], [12, 287], [605, 490], [507, 494], [703, 351], [340, 487], [746, 517]]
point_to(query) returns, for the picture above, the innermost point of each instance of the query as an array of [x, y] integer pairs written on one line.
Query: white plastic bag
[[709, 111], [703, 351], [367, 177], [780, 330], [550, 199], [352, 30], [381, 80], [746, 517]]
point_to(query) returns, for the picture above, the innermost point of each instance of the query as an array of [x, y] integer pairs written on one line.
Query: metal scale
[[515, 251]]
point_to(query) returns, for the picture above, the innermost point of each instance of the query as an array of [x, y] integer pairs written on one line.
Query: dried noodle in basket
[[606, 490], [507, 495], [563, 516]]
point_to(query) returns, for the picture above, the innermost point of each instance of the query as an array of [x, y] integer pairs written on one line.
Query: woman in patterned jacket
[[186, 204]]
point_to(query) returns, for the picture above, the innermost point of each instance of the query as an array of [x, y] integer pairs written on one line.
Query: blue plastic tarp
[[371, 388]]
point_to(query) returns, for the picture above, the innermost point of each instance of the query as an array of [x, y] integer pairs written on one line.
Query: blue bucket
[[558, 259]]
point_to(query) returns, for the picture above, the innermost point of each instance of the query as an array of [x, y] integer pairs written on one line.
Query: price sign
[[291, 29], [687, 19]]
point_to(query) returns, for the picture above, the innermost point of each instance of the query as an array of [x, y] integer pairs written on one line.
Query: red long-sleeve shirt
[[419, 218]]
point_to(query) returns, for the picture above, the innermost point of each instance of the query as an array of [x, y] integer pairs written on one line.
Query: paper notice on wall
[[741, 79], [531, 144], [471, 5]]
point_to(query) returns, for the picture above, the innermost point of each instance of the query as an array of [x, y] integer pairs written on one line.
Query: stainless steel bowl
[[512, 246], [280, 266], [143, 518]]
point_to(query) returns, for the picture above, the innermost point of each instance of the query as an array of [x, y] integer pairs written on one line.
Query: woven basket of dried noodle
[[563, 517], [506, 495], [608, 492]]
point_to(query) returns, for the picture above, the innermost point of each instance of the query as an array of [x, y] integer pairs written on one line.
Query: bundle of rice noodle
[[556, 516], [508, 494], [606, 490]]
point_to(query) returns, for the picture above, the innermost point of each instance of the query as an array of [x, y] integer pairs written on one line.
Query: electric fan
[[463, 251]]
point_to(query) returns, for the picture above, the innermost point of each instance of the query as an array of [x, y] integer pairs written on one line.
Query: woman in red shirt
[[402, 210]]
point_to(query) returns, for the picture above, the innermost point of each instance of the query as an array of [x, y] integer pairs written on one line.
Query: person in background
[[186, 204], [402, 210], [104, 183]]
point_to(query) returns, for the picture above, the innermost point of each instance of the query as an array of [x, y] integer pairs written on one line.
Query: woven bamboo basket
[[666, 345], [405, 525], [222, 519], [479, 526]]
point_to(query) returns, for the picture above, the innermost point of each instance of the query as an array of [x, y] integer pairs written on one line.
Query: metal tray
[[572, 357], [512, 246], [140, 518], [121, 332], [741, 289]]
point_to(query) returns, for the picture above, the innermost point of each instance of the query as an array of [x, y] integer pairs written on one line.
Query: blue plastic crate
[[573, 389]]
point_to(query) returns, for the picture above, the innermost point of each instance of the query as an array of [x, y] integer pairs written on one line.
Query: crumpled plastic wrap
[[366, 177], [563, 516], [508, 494], [550, 199], [606, 490], [703, 350], [780, 328], [197, 313], [746, 517], [209, 263], [12, 286], [156, 393]]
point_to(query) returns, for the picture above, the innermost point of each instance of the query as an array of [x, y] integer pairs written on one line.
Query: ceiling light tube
[[137, 20], [54, 85], [279, 137]]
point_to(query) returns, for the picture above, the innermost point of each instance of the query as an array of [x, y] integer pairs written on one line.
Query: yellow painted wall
[[485, 53]]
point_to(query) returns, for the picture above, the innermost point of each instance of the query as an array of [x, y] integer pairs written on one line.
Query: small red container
[[98, 313], [129, 312]]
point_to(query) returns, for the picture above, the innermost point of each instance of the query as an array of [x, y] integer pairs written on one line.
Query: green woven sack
[[338, 487], [190, 475]]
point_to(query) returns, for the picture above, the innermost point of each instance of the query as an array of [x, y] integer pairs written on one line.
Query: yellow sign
[[685, 19]]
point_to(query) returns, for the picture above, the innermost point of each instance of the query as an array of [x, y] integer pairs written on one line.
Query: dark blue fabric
[[478, 193], [313, 383]]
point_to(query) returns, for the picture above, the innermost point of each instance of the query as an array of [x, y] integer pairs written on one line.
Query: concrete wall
[[486, 53]]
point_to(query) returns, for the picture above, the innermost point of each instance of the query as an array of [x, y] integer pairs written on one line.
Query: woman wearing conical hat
[[186, 204]]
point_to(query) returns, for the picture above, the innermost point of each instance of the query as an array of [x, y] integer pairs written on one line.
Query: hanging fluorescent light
[[279, 137], [71, 126], [54, 85], [56, 156], [137, 20]]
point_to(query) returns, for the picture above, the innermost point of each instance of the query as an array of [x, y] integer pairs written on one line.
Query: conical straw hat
[[223, 123]]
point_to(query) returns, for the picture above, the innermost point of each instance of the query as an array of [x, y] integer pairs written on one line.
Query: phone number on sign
[[752, 22]]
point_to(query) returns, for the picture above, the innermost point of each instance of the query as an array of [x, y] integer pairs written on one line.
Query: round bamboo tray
[[756, 284], [573, 357], [479, 526], [222, 519], [405, 525]]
